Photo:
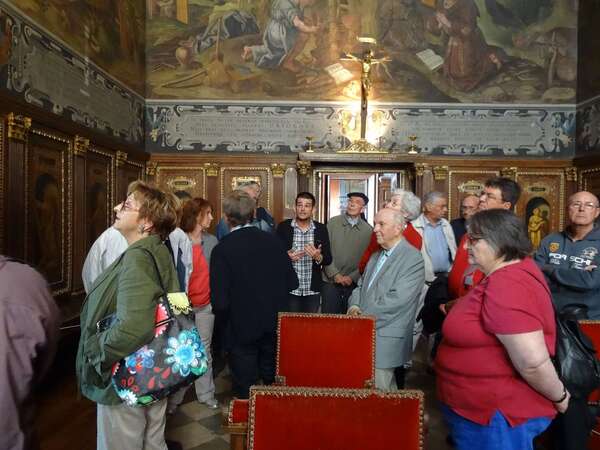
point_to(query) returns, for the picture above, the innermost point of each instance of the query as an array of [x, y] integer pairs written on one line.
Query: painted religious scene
[[108, 32], [463, 51]]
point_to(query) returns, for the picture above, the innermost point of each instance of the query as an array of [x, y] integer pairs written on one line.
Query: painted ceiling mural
[[108, 32], [450, 51]]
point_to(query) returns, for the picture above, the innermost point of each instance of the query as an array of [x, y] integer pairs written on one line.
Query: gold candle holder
[[310, 149], [413, 147]]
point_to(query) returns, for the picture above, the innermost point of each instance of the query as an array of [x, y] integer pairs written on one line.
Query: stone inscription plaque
[[442, 131]]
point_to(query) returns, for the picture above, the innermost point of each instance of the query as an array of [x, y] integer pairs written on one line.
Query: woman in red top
[[495, 378], [196, 217]]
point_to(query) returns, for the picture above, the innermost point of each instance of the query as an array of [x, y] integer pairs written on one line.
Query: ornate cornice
[[121, 158], [212, 169], [151, 168], [571, 173], [303, 167], [278, 170], [440, 173], [509, 172], [80, 145], [421, 168], [18, 127]]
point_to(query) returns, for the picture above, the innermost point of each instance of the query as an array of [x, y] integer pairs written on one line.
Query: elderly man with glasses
[[569, 260]]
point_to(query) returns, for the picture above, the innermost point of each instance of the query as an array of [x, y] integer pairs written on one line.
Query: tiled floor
[[196, 427], [68, 422]]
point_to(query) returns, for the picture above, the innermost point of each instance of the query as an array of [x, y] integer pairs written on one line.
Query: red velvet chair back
[[591, 328], [325, 350], [294, 418]]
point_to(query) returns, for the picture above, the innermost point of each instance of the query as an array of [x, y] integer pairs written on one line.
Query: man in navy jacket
[[307, 245], [250, 278]]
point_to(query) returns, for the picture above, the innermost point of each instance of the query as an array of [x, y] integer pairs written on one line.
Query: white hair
[[411, 204]]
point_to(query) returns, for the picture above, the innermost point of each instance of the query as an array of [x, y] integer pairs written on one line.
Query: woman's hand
[[562, 406]]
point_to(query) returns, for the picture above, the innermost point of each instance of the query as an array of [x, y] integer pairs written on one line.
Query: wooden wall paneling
[[542, 202], [80, 147], [463, 181], [423, 179], [232, 176], [2, 185], [190, 179], [49, 207], [589, 180], [16, 181], [126, 171], [290, 190], [278, 190]]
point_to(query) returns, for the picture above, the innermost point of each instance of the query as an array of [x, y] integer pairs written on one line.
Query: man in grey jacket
[[349, 236], [389, 290]]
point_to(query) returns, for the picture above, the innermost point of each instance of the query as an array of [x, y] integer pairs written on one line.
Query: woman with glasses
[[196, 217], [495, 379], [130, 289]]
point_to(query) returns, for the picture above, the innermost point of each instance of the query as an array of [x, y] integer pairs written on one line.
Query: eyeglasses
[[125, 206], [473, 239], [584, 205]]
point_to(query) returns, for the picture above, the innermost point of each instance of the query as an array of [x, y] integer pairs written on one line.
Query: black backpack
[[575, 359]]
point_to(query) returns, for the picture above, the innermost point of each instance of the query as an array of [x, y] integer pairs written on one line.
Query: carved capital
[[571, 173], [509, 172], [303, 167], [18, 127], [440, 173], [278, 170], [80, 145], [212, 169], [421, 168], [151, 168], [120, 158]]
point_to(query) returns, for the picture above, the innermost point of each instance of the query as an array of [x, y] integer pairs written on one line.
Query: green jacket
[[129, 287]]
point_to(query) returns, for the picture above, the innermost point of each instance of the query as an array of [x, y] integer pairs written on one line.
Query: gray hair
[[432, 196], [238, 207], [411, 204]]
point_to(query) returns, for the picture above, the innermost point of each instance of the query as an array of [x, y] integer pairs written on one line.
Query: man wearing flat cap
[[349, 236]]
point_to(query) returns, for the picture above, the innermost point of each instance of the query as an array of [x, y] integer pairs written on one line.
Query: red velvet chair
[[294, 418], [316, 350], [325, 350], [591, 328], [236, 423]]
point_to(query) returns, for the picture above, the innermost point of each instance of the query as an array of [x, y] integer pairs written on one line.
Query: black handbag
[[174, 358], [575, 358]]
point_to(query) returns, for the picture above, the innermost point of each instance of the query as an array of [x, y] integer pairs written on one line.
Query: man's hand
[[314, 252], [344, 280], [354, 311], [590, 267], [295, 255]]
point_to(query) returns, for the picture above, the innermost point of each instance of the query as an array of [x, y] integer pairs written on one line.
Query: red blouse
[[462, 277], [410, 234], [475, 376], [199, 285]]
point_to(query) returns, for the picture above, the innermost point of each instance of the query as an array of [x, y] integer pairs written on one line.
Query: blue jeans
[[498, 435]]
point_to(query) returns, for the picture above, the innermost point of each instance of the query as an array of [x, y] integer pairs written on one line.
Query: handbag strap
[[160, 280]]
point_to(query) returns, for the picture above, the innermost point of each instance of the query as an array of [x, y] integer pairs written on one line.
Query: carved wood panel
[[590, 180], [231, 177], [190, 179], [48, 207], [99, 193], [464, 181], [542, 202]]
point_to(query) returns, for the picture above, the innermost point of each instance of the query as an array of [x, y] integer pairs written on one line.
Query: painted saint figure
[[284, 38], [535, 227], [468, 60]]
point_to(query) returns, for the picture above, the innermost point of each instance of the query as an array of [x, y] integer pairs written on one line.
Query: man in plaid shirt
[[307, 244]]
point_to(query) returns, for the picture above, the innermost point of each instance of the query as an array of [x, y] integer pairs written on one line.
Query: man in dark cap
[[349, 236]]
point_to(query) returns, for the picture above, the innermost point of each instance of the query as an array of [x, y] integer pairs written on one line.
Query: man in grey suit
[[389, 290]]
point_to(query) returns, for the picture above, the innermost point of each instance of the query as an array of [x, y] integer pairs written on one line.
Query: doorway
[[332, 184]]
